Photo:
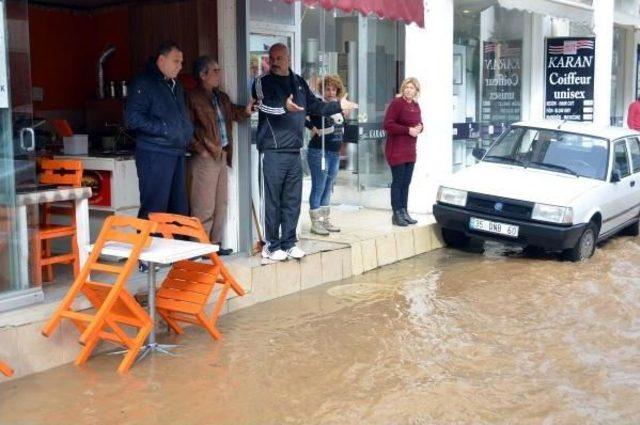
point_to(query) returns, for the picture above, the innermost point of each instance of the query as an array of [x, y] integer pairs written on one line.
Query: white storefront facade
[[373, 54], [451, 55]]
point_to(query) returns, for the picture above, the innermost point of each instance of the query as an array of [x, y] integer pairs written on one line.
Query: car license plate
[[494, 227]]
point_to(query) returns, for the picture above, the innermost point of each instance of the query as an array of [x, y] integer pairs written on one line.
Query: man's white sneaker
[[295, 252], [277, 255]]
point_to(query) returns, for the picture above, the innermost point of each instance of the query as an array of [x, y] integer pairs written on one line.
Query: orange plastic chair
[[64, 173], [186, 289], [5, 369], [113, 305]]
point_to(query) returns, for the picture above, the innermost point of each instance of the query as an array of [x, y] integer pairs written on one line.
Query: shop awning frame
[[565, 9], [409, 11]]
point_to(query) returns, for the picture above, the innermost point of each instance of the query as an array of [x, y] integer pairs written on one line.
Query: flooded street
[[447, 337]]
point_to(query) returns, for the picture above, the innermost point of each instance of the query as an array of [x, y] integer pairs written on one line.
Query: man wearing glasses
[[212, 112]]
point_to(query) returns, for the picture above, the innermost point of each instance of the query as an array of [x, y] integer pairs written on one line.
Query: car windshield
[[553, 150]]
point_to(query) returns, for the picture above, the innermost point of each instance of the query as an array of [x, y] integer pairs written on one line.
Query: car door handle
[[633, 183]]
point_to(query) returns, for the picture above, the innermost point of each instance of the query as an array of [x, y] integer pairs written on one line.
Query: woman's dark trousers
[[401, 179]]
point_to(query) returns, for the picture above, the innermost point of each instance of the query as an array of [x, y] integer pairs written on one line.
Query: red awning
[[405, 10]]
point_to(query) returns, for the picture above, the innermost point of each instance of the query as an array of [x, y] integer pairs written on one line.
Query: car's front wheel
[[454, 238], [586, 245], [633, 229]]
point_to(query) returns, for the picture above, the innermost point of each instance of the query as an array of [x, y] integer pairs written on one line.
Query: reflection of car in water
[[552, 185]]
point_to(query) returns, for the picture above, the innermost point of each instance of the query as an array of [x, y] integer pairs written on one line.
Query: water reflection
[[447, 337]]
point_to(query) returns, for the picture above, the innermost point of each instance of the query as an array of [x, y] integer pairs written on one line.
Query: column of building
[[603, 30], [429, 54], [227, 45]]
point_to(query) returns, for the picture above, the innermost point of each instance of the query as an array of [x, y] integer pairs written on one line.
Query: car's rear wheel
[[586, 245], [454, 238]]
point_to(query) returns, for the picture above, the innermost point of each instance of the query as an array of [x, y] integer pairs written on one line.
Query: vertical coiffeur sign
[[501, 75], [571, 64], [4, 89]]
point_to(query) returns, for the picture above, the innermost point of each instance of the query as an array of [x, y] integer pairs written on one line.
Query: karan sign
[[570, 64]]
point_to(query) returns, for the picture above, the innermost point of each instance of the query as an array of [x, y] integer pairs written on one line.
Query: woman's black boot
[[398, 219], [407, 217]]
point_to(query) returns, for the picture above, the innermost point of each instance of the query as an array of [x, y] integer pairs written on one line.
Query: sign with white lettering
[[501, 75], [571, 64], [371, 131]]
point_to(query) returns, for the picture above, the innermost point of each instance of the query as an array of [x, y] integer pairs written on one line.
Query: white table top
[[161, 251], [62, 193]]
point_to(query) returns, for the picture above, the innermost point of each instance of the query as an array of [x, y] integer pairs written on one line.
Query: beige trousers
[[208, 193]]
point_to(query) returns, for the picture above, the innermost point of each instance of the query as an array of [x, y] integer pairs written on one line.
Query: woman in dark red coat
[[403, 123]]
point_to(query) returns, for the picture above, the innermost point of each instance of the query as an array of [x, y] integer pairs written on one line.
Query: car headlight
[[552, 213], [446, 195]]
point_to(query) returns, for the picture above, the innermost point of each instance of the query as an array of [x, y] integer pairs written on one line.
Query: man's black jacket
[[157, 113]]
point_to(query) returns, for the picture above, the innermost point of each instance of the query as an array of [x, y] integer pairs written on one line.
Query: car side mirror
[[615, 176], [478, 153]]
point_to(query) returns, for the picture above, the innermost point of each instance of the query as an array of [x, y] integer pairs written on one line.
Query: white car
[[553, 185]]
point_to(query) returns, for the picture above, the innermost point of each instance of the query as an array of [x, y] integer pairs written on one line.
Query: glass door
[[380, 73], [367, 55], [18, 223], [259, 43]]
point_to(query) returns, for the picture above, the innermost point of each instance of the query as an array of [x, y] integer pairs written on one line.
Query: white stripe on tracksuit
[[264, 108], [271, 110]]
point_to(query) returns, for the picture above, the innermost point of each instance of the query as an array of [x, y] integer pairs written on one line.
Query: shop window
[[487, 75], [367, 54], [578, 29], [274, 12], [617, 77], [629, 7]]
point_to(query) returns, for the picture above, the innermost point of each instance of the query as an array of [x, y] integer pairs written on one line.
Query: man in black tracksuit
[[157, 114], [284, 99]]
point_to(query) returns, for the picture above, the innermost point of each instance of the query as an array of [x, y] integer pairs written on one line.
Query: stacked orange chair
[[5, 369], [63, 173], [113, 305], [187, 288]]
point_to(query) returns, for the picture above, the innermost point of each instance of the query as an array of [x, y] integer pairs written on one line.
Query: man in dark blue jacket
[[284, 99], [157, 114]]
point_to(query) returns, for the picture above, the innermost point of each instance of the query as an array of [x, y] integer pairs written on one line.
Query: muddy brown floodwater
[[444, 338]]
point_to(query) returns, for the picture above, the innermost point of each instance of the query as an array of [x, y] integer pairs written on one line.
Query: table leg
[[152, 345], [82, 229], [23, 246], [151, 282]]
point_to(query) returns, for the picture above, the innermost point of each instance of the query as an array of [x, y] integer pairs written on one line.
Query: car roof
[[586, 128]]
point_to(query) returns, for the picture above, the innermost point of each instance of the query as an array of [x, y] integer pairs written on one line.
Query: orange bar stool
[[185, 291], [113, 306], [5, 369], [64, 173]]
